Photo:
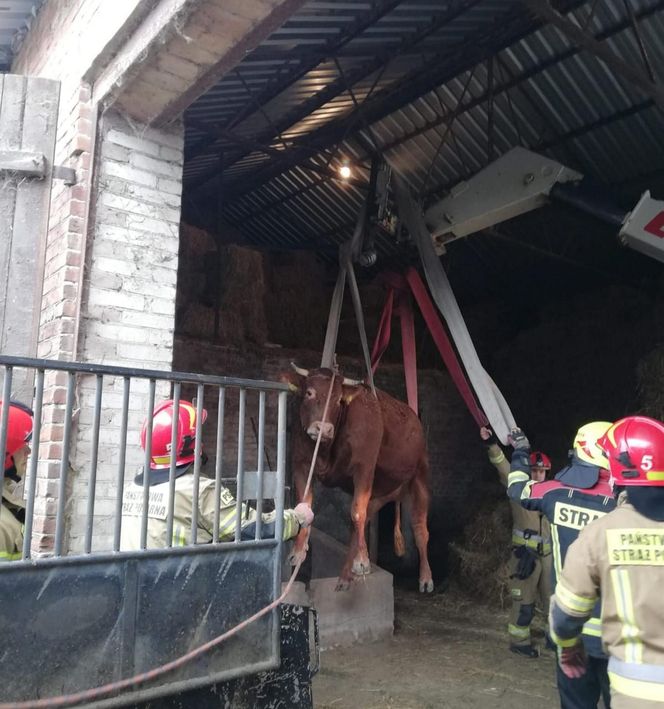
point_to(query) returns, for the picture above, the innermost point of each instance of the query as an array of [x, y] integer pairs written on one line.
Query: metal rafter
[[307, 63], [624, 70], [510, 28], [518, 81], [356, 74]]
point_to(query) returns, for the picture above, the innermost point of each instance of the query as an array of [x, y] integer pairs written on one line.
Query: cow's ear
[[294, 380], [349, 393]]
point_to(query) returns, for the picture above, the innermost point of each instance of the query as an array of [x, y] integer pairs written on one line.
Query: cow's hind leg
[[399, 543], [419, 512]]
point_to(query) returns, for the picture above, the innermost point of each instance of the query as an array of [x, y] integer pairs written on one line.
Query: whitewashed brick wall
[[128, 315]]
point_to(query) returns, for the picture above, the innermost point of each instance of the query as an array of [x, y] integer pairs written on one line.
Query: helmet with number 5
[[634, 447]]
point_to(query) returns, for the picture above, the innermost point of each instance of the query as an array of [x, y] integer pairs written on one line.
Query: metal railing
[[250, 484]]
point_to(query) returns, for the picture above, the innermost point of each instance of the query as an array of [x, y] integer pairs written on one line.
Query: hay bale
[[482, 555], [650, 383]]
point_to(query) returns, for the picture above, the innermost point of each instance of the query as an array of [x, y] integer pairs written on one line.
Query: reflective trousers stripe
[[10, 556], [557, 556], [630, 633], [519, 632]]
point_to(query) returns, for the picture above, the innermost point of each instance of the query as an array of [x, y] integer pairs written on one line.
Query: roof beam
[[508, 29], [516, 82], [337, 87], [307, 62], [574, 33]]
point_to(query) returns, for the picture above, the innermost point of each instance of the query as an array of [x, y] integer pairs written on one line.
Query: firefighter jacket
[[530, 527], [11, 534], [158, 507], [620, 556], [568, 510]]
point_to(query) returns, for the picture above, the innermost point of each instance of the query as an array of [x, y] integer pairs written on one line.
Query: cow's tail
[[399, 543]]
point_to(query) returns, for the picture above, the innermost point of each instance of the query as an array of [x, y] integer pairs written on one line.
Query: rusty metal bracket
[[68, 174]]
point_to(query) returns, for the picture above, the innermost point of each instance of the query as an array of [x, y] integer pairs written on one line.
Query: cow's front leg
[[346, 576], [357, 560]]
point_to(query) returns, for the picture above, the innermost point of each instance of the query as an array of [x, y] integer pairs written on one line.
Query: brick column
[[128, 310]]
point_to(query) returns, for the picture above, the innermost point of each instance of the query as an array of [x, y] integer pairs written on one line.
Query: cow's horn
[[299, 370], [353, 382]]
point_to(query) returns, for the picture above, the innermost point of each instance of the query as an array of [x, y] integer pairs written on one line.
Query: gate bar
[[92, 481], [218, 461], [34, 459], [200, 391], [146, 465], [171, 471], [240, 464], [121, 464], [64, 466]]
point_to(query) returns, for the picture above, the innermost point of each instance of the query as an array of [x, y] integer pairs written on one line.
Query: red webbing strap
[[384, 331], [397, 284], [444, 345], [405, 310]]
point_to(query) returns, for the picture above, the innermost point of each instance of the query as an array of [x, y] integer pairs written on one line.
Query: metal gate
[[28, 121], [77, 621]]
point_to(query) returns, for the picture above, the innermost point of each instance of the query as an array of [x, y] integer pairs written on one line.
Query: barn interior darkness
[[565, 319]]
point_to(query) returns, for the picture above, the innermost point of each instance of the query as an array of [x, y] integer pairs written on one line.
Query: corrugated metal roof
[[547, 95], [15, 19]]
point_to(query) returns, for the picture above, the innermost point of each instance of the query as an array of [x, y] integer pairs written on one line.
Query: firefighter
[[158, 479], [530, 561], [12, 509], [580, 493], [621, 557]]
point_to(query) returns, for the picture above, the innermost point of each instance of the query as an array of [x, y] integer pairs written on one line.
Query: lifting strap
[[347, 252], [397, 291], [491, 400], [398, 287]]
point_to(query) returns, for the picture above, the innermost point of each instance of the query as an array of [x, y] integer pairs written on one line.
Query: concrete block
[[364, 613]]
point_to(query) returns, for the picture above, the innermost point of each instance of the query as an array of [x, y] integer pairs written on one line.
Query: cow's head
[[313, 387]]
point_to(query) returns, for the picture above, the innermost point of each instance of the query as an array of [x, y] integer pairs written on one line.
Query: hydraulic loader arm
[[521, 181]]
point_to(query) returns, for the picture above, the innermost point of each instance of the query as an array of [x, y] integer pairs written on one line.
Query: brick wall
[[128, 310]]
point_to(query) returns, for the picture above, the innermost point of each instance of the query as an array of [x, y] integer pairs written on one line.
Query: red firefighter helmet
[[634, 447], [19, 429], [540, 460], [162, 422]]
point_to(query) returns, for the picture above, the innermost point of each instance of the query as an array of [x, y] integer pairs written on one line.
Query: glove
[[488, 436], [573, 661], [304, 515], [517, 439], [526, 564]]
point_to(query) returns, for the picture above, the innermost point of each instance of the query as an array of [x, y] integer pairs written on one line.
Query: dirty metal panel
[[78, 625], [28, 122]]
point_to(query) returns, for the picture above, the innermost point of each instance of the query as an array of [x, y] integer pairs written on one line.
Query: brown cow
[[374, 449]]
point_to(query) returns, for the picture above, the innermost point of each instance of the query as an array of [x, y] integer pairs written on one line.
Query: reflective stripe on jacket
[[530, 527], [568, 510], [158, 505], [621, 556]]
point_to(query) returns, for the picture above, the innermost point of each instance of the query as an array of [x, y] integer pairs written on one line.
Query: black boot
[[525, 650]]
